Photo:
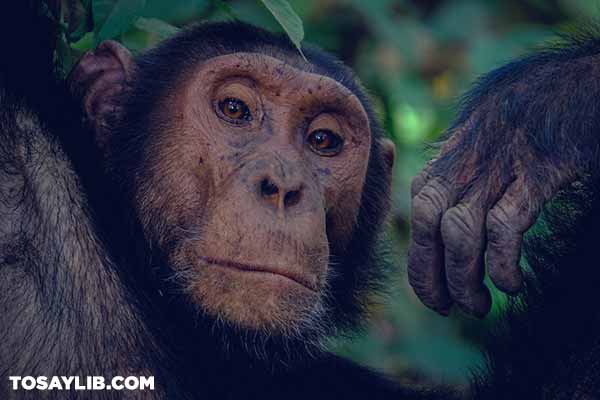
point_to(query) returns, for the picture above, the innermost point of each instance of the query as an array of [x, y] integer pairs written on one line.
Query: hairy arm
[[64, 309], [525, 130]]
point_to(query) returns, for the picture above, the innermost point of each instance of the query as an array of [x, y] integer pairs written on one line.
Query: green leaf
[[288, 19], [85, 43], [156, 26], [113, 17]]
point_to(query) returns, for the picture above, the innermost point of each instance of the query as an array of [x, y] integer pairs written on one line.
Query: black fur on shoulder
[[548, 343]]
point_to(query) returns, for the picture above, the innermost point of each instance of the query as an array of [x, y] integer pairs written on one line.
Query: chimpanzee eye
[[235, 110], [325, 142]]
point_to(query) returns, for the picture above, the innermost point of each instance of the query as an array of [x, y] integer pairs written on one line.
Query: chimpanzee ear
[[388, 152], [99, 81]]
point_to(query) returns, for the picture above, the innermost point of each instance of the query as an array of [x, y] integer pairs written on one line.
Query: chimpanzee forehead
[[278, 76]]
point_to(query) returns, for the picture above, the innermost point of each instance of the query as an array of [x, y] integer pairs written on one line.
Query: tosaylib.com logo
[[81, 383]]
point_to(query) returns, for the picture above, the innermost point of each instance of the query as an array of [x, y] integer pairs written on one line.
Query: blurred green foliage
[[416, 57]]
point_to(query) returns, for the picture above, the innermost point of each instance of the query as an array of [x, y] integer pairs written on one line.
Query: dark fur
[[547, 97], [77, 301], [548, 345]]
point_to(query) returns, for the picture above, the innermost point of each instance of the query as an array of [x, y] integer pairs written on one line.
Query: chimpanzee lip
[[245, 267]]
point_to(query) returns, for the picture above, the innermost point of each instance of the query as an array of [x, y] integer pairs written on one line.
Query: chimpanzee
[[208, 213]]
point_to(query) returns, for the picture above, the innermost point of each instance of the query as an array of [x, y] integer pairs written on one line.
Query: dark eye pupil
[[320, 137], [325, 142], [235, 109]]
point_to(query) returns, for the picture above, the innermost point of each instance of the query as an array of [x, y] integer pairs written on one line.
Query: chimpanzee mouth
[[294, 276]]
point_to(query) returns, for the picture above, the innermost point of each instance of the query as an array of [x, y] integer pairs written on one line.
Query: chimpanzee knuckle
[[430, 203], [500, 214], [425, 232], [459, 228], [424, 216], [438, 191], [419, 182], [498, 226]]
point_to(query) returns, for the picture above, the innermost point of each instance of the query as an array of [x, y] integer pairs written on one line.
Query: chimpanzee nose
[[282, 196]]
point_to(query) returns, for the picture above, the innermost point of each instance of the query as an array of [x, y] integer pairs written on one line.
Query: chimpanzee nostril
[[278, 195], [268, 188], [292, 198]]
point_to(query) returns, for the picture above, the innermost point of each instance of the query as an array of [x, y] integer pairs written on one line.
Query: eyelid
[[238, 87], [327, 121]]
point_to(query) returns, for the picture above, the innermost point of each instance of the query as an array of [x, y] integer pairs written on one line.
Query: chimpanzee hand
[[525, 130]]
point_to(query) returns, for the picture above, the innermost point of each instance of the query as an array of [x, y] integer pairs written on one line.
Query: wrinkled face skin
[[266, 165]]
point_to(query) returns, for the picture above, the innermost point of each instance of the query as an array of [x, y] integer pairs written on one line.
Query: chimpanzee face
[[254, 167]]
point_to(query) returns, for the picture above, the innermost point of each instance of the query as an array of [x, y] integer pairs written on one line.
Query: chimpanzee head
[[260, 177]]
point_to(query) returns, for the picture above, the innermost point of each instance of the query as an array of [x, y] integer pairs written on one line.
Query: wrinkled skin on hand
[[525, 130], [470, 208]]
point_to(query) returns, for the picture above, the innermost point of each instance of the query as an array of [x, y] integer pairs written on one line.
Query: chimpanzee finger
[[507, 221], [463, 234], [426, 253]]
